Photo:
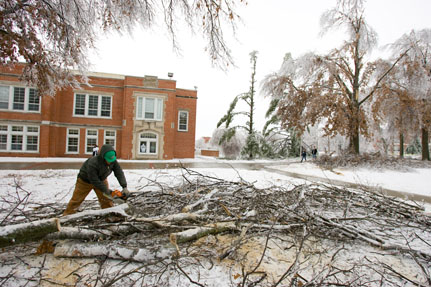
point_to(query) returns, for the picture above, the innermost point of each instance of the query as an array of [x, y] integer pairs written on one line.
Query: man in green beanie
[[93, 176]]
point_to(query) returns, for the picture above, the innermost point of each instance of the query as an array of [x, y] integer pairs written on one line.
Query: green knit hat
[[110, 156]]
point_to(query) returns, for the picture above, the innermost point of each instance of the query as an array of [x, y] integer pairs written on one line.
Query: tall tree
[[394, 106], [332, 88], [251, 148], [54, 36], [415, 79], [277, 141]]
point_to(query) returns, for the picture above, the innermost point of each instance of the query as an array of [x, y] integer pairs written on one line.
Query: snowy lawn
[[415, 180]]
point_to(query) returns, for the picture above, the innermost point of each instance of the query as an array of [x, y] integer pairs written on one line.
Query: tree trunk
[[24, 232], [355, 139], [354, 142], [401, 145], [354, 126], [425, 146]]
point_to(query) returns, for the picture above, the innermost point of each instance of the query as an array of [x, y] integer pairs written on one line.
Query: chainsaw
[[117, 196]]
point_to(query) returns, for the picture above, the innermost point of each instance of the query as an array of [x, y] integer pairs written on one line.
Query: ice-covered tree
[[394, 107], [277, 141], [415, 78], [54, 36], [335, 87], [230, 148], [251, 148]]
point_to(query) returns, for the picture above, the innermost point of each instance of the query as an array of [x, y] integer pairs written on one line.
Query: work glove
[[125, 192]]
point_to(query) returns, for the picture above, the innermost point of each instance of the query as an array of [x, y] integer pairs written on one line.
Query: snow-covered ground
[[49, 186], [412, 180]]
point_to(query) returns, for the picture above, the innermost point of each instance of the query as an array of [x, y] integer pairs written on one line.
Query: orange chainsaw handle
[[117, 193]]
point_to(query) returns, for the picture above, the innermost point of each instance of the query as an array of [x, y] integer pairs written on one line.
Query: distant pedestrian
[[304, 155], [95, 150], [314, 153]]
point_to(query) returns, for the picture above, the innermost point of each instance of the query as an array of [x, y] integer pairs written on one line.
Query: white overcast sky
[[271, 27]]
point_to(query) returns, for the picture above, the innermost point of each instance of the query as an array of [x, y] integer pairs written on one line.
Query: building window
[[19, 138], [19, 99], [80, 104], [183, 121], [4, 97], [92, 106], [33, 100], [106, 107], [91, 140], [148, 143], [3, 137], [72, 141], [149, 108], [110, 137]]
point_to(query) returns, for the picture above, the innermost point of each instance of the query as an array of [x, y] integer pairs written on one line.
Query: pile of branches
[[168, 231], [374, 160]]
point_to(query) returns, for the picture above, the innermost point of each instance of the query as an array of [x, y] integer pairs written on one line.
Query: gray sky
[[271, 27]]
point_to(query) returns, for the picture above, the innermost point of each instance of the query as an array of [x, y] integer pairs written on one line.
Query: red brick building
[[142, 117]]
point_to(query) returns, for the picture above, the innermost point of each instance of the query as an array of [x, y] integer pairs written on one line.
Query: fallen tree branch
[[165, 221], [113, 251], [121, 210], [328, 215], [205, 199], [24, 232], [196, 233]]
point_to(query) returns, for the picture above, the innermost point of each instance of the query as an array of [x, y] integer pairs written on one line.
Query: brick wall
[[56, 116], [184, 146], [207, 152]]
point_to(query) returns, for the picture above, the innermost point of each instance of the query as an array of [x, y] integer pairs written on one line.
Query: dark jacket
[[95, 170]]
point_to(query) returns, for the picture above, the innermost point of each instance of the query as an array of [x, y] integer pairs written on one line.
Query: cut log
[[79, 233], [36, 230], [166, 221], [24, 232], [121, 210], [196, 233], [91, 250], [85, 233]]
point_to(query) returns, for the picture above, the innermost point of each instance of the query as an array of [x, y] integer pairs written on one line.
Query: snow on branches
[[273, 236], [54, 36]]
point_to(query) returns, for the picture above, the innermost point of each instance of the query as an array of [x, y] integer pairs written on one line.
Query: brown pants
[[82, 189]]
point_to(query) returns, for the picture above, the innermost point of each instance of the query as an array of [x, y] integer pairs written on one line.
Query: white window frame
[[26, 104], [34, 134], [89, 148], [109, 137], [87, 105], [8, 97], [187, 121], [5, 133], [142, 102], [25, 134], [72, 136], [148, 143]]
